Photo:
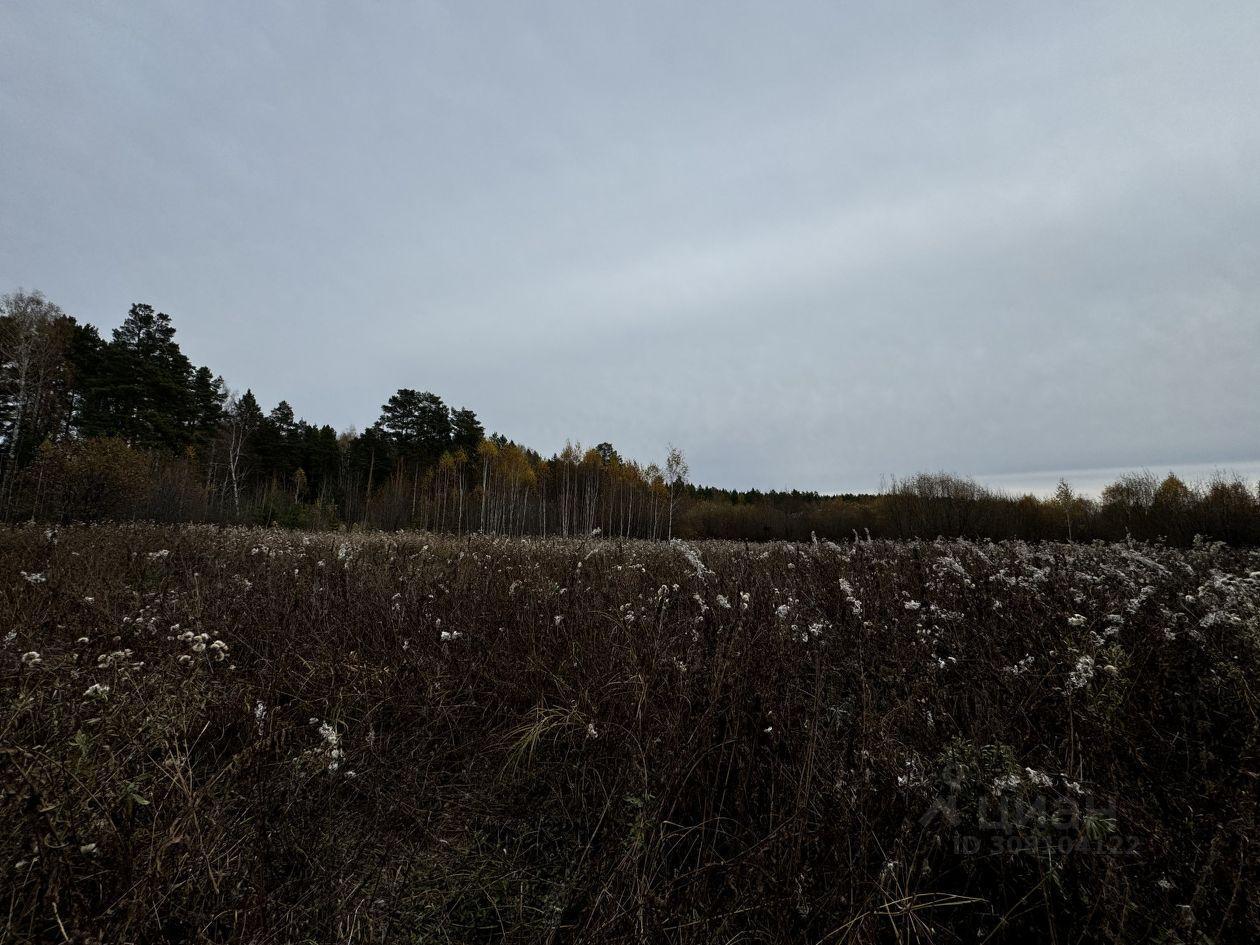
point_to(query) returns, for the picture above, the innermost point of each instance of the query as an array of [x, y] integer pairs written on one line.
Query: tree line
[[1140, 506], [128, 428]]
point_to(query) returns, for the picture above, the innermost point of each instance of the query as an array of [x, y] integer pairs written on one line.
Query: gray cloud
[[811, 245]]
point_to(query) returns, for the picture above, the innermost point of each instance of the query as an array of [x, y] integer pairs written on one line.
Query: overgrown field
[[266, 736]]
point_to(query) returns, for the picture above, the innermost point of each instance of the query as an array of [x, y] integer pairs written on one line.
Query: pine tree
[[282, 416], [149, 382], [247, 411], [209, 394], [466, 430], [418, 423], [91, 410], [321, 458]]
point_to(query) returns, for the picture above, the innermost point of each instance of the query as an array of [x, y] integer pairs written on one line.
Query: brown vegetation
[[275, 736]]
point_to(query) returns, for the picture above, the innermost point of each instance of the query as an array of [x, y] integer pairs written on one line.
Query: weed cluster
[[265, 736]]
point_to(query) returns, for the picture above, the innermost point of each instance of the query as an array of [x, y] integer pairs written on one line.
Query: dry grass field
[[231, 735]]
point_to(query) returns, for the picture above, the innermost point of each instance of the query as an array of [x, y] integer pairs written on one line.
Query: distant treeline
[[129, 428], [1140, 506]]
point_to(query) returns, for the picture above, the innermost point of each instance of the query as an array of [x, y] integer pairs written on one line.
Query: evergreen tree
[[209, 394], [321, 458], [282, 416], [275, 443], [370, 456], [247, 411], [149, 382], [418, 424], [91, 412], [466, 430]]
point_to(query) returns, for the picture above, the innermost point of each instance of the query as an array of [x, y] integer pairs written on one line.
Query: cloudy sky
[[811, 243]]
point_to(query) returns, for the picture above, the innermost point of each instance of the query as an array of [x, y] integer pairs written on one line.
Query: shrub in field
[[257, 735]]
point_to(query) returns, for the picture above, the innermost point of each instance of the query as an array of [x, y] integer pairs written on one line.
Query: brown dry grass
[[604, 750]]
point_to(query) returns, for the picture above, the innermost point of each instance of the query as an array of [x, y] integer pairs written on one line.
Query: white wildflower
[[1082, 673], [1021, 667], [1038, 778], [692, 557], [1006, 783], [332, 745]]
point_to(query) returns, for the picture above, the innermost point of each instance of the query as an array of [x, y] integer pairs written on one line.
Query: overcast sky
[[812, 244]]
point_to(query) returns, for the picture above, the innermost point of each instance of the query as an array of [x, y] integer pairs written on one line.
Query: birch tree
[[676, 472], [29, 357]]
